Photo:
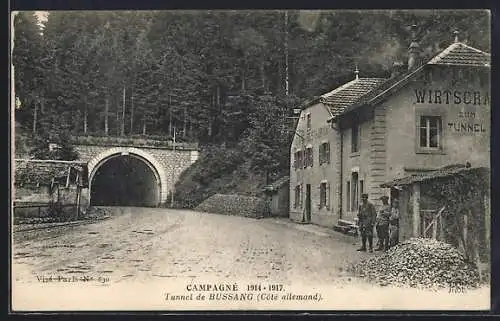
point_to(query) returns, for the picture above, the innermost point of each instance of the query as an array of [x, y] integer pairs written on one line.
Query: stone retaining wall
[[238, 205]]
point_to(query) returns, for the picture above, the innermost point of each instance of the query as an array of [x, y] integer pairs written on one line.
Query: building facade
[[432, 115]]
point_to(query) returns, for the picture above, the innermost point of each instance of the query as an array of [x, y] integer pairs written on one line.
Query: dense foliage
[[463, 195], [214, 77]]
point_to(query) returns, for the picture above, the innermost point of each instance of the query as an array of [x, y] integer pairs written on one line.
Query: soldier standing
[[394, 224], [366, 218], [383, 225]]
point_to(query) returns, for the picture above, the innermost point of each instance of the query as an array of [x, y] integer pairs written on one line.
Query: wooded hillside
[[226, 78]]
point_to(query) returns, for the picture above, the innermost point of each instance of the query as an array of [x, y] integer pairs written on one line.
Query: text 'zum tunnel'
[[124, 180]]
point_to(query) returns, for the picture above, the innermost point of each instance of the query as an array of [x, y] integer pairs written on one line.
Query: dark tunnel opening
[[124, 181]]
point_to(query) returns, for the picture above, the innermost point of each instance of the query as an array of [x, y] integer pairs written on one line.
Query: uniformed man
[[382, 225], [366, 220], [394, 223]]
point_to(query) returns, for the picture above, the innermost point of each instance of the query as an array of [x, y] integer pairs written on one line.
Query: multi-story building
[[371, 130]]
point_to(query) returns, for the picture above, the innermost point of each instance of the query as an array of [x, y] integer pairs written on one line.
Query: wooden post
[[77, 195], [434, 228], [67, 176], [416, 209]]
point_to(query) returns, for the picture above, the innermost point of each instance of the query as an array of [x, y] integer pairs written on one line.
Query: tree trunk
[[144, 127], [210, 127], [117, 114], [131, 114], [35, 117], [169, 115], [263, 76], [42, 105], [122, 132], [286, 52], [217, 98], [106, 110], [184, 125], [85, 118]]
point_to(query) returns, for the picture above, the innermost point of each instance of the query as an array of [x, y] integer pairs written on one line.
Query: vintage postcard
[[250, 160]]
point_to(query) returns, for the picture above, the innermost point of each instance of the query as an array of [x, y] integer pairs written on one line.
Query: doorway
[[308, 202]]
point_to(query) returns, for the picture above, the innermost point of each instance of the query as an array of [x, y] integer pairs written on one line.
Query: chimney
[[398, 68], [413, 50], [356, 71], [455, 33]]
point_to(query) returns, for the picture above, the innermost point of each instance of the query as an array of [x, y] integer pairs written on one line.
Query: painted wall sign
[[456, 97], [466, 127]]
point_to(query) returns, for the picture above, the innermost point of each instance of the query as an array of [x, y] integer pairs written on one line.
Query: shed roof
[[37, 171], [277, 184], [443, 172]]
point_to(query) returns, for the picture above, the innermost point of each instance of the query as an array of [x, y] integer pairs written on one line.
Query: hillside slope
[[218, 171]]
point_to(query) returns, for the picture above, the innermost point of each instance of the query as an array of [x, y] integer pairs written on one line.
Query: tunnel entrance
[[125, 180]]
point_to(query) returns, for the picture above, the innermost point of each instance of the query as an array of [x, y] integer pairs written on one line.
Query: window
[[308, 157], [324, 153], [430, 132], [361, 187], [355, 139], [354, 192], [297, 159], [297, 201], [308, 122], [348, 195], [323, 192]]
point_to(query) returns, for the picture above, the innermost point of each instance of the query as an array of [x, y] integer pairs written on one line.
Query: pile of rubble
[[420, 263], [240, 205]]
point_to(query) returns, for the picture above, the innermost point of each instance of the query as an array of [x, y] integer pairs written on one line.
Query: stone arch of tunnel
[[125, 179]]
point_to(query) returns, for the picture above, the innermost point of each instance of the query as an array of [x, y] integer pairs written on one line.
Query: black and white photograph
[[249, 160]]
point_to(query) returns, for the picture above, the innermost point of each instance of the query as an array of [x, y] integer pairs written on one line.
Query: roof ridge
[[475, 49], [443, 53], [341, 87], [450, 48]]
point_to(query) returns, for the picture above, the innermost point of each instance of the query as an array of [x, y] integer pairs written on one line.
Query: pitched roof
[[443, 172], [350, 93], [459, 54]]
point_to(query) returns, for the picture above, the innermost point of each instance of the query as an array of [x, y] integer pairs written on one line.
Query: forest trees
[[208, 75]]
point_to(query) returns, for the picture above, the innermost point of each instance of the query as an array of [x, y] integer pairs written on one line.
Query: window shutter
[[327, 152], [328, 195]]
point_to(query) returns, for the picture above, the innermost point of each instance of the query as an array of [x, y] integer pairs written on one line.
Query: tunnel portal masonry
[[164, 164]]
